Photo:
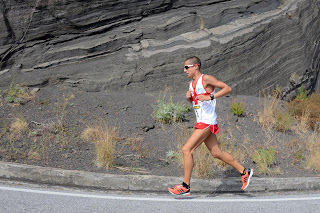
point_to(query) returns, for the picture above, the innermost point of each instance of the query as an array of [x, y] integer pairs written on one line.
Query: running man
[[203, 97]]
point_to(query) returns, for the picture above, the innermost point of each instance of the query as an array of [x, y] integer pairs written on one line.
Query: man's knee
[[186, 150], [216, 154]]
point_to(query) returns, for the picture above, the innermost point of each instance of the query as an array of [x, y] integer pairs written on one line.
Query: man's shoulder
[[207, 77]]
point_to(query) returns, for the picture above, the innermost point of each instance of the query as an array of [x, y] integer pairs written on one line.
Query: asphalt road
[[20, 197]]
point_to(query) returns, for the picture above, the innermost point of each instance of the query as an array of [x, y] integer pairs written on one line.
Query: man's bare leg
[[197, 137], [212, 144]]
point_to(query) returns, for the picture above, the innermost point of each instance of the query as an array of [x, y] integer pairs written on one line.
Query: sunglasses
[[188, 66]]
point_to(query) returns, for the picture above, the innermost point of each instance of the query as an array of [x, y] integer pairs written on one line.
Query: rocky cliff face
[[114, 45]]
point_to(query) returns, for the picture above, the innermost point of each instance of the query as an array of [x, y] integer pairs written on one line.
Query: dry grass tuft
[[137, 145], [266, 115], [90, 134], [17, 128], [32, 155], [201, 23], [105, 138], [283, 121], [203, 162], [271, 116], [62, 110], [313, 148], [306, 145]]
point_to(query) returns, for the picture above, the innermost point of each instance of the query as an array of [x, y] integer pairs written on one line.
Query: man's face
[[189, 68]]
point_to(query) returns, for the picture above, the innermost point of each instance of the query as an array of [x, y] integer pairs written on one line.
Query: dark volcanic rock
[[107, 45]]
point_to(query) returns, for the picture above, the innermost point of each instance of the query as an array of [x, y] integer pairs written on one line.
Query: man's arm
[[210, 83]]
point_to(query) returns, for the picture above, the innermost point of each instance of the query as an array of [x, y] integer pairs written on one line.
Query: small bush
[[167, 112], [171, 154], [265, 158], [283, 121], [307, 109], [298, 156], [237, 108], [16, 94]]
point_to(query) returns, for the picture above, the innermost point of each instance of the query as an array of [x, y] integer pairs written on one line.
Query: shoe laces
[[245, 179], [177, 186]]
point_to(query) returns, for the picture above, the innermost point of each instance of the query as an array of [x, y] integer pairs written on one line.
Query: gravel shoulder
[[43, 144]]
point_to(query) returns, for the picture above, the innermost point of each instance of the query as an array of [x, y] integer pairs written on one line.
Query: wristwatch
[[211, 96]]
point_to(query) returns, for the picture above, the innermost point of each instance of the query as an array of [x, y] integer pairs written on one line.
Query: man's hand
[[203, 98], [189, 96]]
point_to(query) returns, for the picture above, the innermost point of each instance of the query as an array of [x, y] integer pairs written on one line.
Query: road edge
[[148, 183]]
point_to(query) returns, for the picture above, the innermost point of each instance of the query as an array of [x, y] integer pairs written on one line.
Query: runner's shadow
[[191, 197], [231, 185], [240, 194]]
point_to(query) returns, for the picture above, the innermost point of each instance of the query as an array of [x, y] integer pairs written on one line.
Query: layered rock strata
[[110, 45]]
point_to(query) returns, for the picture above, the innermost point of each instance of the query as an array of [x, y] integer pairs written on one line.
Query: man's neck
[[196, 76]]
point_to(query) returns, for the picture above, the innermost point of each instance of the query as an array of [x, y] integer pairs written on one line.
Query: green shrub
[[283, 121], [167, 112], [302, 95], [265, 158], [298, 156], [237, 108], [172, 154], [15, 94]]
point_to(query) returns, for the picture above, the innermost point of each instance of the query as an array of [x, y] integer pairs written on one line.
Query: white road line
[[183, 199]]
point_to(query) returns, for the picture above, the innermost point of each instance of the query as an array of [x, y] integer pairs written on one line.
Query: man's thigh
[[197, 137]]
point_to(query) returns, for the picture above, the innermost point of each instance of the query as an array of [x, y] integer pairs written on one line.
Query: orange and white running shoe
[[246, 178], [179, 190]]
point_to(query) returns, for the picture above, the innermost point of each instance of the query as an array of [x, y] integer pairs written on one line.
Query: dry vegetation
[[105, 138], [22, 139], [300, 118], [305, 110]]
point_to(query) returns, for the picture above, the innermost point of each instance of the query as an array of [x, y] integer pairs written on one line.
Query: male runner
[[203, 97]]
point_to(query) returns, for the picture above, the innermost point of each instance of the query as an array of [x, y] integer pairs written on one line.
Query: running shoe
[[246, 178], [179, 190]]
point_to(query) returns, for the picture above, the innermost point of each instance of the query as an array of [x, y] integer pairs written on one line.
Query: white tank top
[[205, 111]]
